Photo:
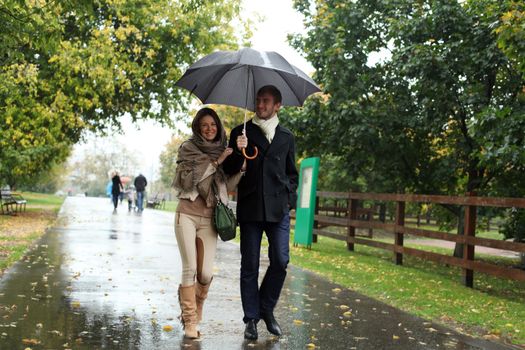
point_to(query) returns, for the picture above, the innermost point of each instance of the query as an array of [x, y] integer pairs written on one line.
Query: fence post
[[400, 221], [316, 222], [351, 214], [468, 249]]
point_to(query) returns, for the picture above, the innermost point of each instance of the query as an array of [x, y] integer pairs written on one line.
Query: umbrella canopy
[[125, 179], [233, 78]]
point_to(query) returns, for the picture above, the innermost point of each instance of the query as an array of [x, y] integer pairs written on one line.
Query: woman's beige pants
[[197, 240]]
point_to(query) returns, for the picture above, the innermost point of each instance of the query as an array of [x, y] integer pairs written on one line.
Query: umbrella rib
[[216, 78], [289, 84], [246, 99], [254, 92]]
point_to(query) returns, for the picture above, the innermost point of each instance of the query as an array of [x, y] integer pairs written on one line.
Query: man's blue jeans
[[257, 300], [140, 200]]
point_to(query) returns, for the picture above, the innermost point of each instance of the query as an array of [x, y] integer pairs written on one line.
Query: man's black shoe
[[271, 324], [250, 332]]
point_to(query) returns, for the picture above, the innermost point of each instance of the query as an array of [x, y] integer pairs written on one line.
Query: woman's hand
[[224, 155]]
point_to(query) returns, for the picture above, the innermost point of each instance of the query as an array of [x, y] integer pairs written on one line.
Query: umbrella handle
[[250, 157]]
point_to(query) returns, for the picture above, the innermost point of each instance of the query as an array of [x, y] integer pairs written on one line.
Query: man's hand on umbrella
[[242, 142]]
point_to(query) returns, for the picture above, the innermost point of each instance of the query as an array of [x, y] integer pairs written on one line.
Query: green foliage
[[514, 227], [168, 159], [49, 181], [511, 31], [419, 97], [67, 67], [231, 116]]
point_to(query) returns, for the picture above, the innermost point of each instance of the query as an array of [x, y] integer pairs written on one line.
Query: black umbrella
[[233, 78]]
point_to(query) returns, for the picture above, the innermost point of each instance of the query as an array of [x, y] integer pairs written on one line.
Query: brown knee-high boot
[[188, 307], [201, 293]]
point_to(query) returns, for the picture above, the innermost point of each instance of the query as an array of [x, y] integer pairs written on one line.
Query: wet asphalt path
[[99, 280]]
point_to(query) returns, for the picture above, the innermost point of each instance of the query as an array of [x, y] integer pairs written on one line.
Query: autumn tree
[[419, 96], [168, 159], [67, 67]]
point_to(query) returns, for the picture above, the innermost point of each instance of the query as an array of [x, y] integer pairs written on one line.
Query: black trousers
[[115, 200], [255, 299]]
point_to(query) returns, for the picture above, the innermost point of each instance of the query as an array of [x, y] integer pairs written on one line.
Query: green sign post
[[304, 219]]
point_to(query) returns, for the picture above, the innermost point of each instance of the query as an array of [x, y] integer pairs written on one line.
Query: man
[[266, 193], [140, 184]]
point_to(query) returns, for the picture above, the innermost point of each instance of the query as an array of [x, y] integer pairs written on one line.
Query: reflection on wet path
[[96, 281], [109, 281]]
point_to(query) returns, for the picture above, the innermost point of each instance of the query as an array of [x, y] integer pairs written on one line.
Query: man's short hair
[[272, 90]]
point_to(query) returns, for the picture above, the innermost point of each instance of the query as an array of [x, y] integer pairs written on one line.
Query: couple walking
[[266, 191]]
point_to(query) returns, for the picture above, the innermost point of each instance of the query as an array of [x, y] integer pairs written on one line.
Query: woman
[[116, 189], [198, 178]]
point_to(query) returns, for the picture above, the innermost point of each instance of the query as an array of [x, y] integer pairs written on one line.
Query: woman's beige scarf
[[193, 160]]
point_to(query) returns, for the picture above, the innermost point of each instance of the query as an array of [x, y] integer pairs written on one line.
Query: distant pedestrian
[[109, 189], [130, 195], [140, 186], [116, 188], [198, 180]]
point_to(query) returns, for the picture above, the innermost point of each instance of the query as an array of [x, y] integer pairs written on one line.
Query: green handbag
[[224, 219]]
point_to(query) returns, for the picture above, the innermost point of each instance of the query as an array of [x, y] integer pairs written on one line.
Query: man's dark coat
[[268, 190], [140, 183]]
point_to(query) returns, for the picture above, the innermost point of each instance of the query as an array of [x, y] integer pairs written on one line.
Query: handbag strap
[[215, 191]]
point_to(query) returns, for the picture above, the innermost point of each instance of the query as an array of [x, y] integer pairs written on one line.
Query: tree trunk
[[382, 212]]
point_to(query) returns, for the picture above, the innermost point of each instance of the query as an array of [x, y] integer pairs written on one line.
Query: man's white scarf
[[267, 126]]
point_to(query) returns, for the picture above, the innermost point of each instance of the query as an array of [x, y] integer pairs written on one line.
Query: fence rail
[[347, 216]]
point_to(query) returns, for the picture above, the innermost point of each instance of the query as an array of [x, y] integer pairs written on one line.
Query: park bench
[[157, 202], [11, 202], [7, 204]]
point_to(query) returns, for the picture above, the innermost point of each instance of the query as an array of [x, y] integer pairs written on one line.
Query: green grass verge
[[19, 232], [432, 291], [170, 206], [43, 200], [494, 307], [14, 253]]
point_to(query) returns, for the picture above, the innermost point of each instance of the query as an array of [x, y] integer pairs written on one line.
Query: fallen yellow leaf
[[298, 322], [167, 328], [31, 341]]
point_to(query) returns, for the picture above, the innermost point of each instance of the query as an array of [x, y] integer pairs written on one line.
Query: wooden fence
[[347, 216]]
